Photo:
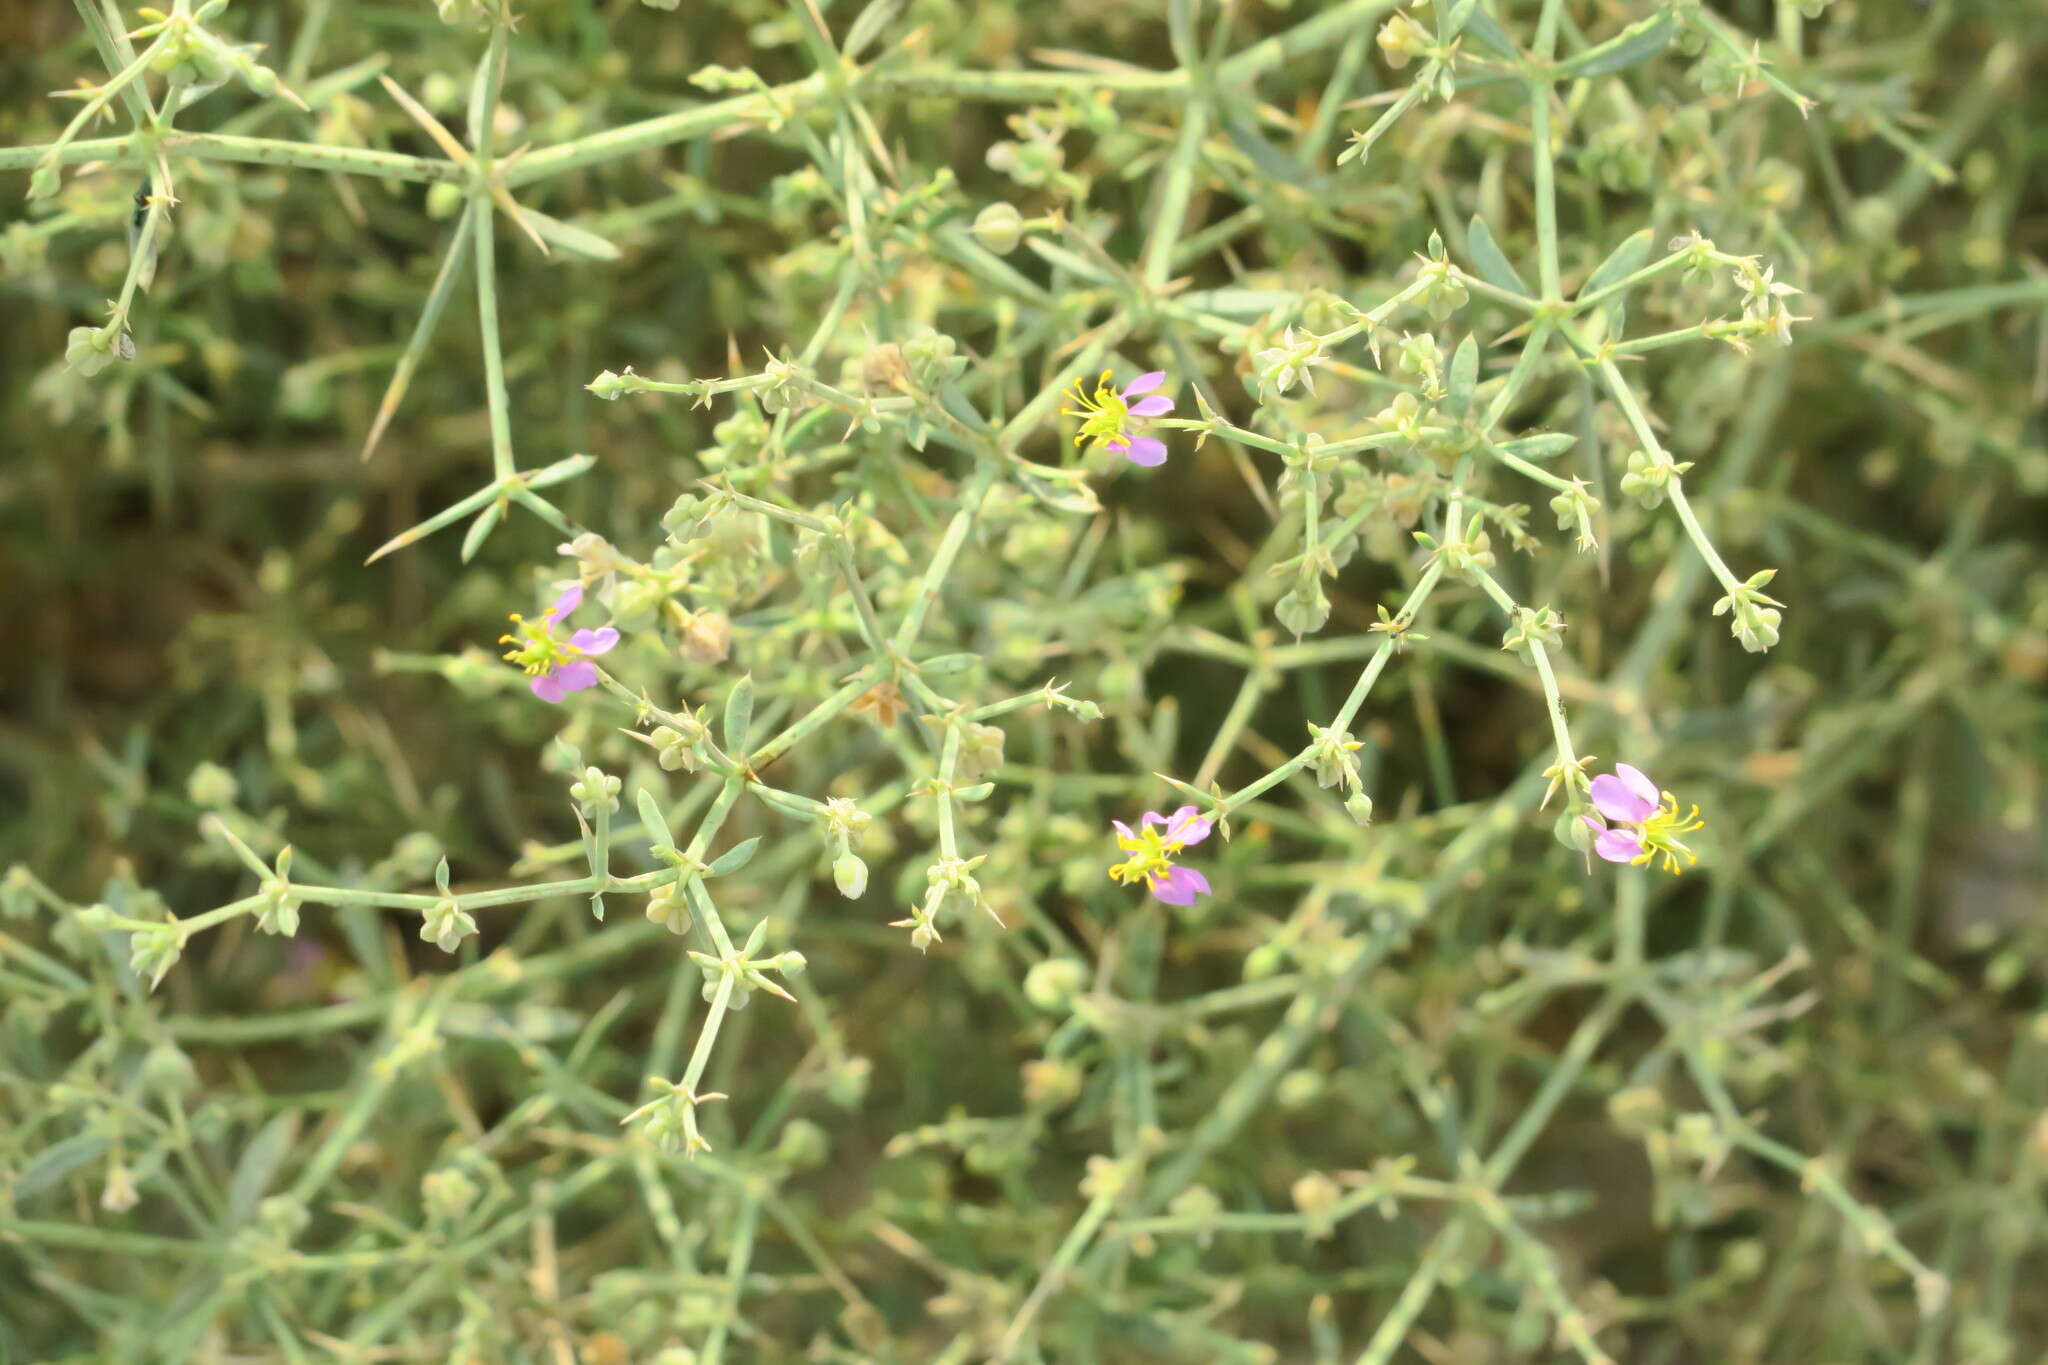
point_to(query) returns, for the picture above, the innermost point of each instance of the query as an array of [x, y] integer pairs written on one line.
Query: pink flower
[[1107, 416], [1647, 822], [558, 666], [1149, 855]]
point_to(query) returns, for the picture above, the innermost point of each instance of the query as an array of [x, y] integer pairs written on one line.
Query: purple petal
[[1148, 451], [1180, 886], [1618, 801], [1639, 783], [1158, 405], [1144, 383], [576, 676], [1123, 831], [547, 687], [595, 641], [1186, 827], [1619, 846], [571, 598]]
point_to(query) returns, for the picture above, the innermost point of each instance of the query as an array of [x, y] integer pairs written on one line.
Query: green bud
[[212, 786], [1573, 832], [999, 227], [169, 1070], [444, 200], [89, 350], [802, 1144], [1051, 985], [1264, 961]]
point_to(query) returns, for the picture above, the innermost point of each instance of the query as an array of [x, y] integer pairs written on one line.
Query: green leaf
[[1637, 43], [575, 241], [652, 823], [1067, 261], [259, 1163], [1623, 261], [480, 529], [734, 858], [1483, 26], [1543, 447], [56, 1161], [1451, 19], [868, 26], [1273, 163], [1464, 376], [739, 715], [1490, 261]]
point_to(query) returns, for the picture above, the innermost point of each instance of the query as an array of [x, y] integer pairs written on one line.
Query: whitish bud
[[850, 875]]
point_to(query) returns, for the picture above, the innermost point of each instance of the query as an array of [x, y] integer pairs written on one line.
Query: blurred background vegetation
[[191, 624]]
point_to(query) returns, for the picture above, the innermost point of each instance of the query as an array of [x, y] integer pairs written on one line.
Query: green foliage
[[804, 339]]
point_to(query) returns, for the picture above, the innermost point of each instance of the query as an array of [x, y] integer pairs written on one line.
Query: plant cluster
[[1093, 592]]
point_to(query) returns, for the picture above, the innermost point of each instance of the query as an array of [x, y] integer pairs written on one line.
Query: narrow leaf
[[1464, 376], [423, 330], [652, 823], [1637, 43], [258, 1166], [868, 26], [1543, 447], [575, 241], [734, 858], [480, 529], [1484, 27], [1490, 261], [739, 715], [1623, 261]]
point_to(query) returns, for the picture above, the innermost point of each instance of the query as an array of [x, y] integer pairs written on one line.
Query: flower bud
[[850, 875], [446, 925], [444, 200], [1052, 984], [169, 1070], [671, 910], [999, 227], [212, 786], [803, 1144]]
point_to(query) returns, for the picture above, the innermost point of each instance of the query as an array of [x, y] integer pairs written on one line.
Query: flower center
[[1103, 415], [535, 646], [1660, 834], [1149, 858]]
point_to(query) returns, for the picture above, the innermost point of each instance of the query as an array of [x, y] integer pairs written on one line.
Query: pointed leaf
[[652, 823], [1546, 446], [480, 529], [739, 715], [868, 26], [1490, 261], [1464, 376], [1483, 26], [1269, 159], [258, 1166], [1637, 43], [573, 240], [1624, 261], [734, 858]]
